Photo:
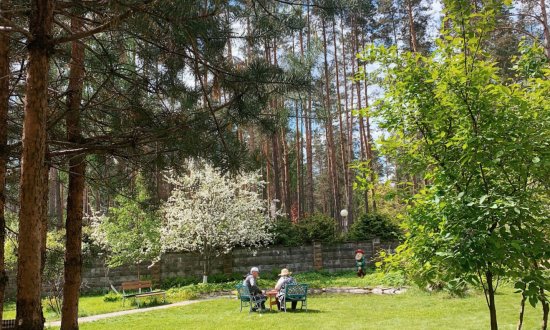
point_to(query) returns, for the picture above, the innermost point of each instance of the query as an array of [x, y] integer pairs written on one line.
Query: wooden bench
[[133, 289], [8, 324]]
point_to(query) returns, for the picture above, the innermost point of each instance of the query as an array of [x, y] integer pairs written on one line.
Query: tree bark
[[368, 146], [490, 292], [75, 194], [335, 188], [355, 41], [310, 201], [521, 312], [342, 143], [545, 309], [286, 174], [546, 27], [29, 309], [349, 127], [4, 103], [412, 30]]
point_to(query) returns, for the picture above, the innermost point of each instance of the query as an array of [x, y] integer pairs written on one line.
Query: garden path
[[92, 318]]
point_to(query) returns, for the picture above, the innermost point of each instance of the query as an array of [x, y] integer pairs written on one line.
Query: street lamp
[[344, 214]]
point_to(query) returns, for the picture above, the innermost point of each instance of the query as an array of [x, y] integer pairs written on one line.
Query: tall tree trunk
[[412, 30], [299, 106], [546, 27], [29, 309], [310, 201], [370, 152], [276, 167], [342, 143], [54, 200], [286, 174], [545, 308], [521, 311], [58, 199], [362, 138], [298, 162], [331, 150], [285, 193], [75, 194], [349, 127], [4, 103], [490, 293]]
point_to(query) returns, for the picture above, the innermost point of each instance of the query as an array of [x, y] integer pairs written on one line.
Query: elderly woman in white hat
[[284, 279]]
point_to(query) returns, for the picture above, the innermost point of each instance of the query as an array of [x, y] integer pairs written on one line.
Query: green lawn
[[413, 310], [91, 305]]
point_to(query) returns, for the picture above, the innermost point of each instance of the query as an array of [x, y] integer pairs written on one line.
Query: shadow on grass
[[288, 311], [302, 311]]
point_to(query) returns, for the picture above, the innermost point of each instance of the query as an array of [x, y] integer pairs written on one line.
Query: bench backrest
[[136, 285], [242, 291], [296, 291], [8, 324]]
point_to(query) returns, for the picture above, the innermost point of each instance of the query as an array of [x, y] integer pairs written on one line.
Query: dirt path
[[128, 312]]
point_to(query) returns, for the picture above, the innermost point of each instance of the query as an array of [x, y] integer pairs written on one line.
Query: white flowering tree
[[210, 213]]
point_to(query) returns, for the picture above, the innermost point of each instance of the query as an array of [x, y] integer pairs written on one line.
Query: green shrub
[[180, 294], [317, 227], [178, 282], [286, 233], [111, 296], [374, 225], [223, 278]]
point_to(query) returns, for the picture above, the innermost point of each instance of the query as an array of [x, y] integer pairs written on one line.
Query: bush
[[178, 282], [286, 233], [223, 278], [111, 297], [317, 227], [179, 294], [374, 225]]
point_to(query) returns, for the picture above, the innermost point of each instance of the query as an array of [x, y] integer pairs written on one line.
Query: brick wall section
[[332, 258]]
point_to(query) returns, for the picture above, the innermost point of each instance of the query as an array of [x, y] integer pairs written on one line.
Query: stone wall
[[331, 258]]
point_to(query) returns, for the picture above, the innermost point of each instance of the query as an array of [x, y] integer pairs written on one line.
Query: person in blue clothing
[[251, 281]]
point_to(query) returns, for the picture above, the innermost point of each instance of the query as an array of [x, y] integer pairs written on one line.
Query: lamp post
[[344, 215]]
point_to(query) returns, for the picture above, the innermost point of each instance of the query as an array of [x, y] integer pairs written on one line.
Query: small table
[[272, 294]]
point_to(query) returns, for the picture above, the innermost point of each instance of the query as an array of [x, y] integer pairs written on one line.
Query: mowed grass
[[88, 305], [413, 310], [94, 305]]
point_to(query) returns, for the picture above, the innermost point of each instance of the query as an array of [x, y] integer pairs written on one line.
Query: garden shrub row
[[322, 228]]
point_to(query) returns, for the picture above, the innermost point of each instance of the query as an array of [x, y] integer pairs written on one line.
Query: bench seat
[[129, 291]]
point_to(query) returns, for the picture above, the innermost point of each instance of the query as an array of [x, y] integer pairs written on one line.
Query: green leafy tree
[[129, 232], [317, 227], [374, 225], [484, 141]]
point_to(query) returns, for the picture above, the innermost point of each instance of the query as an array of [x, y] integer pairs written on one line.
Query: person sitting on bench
[[252, 283], [284, 279]]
